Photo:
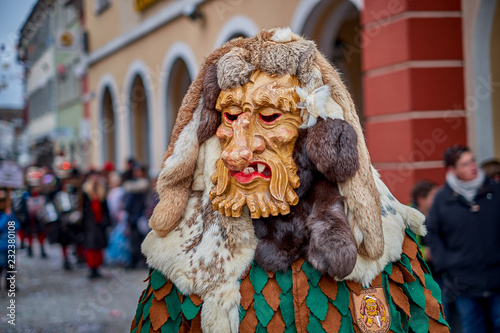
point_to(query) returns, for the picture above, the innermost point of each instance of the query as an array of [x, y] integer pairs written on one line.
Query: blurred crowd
[[96, 218]]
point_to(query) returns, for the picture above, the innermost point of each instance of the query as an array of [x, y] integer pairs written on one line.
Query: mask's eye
[[231, 117], [269, 118]]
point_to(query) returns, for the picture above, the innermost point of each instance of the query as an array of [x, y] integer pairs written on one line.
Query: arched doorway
[[108, 127], [139, 121], [335, 27], [177, 86]]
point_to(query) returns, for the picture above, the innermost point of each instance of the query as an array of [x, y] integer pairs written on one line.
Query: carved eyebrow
[[278, 98], [229, 98]]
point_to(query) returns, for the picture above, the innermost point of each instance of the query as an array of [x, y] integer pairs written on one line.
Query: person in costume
[[271, 217], [464, 237], [95, 221]]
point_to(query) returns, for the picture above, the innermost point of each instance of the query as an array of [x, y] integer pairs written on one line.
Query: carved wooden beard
[[258, 131]]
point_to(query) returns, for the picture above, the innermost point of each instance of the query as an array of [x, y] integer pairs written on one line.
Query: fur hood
[[205, 253]]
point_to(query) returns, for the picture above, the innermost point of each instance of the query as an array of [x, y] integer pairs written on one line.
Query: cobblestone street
[[51, 300]]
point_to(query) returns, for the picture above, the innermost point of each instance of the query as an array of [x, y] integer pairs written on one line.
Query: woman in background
[[95, 220]]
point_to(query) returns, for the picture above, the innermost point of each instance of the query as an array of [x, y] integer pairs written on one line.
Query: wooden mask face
[[258, 131]]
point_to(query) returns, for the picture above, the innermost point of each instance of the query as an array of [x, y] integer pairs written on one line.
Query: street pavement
[[52, 300]]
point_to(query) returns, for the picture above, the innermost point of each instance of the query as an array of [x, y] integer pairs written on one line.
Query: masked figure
[[271, 217]]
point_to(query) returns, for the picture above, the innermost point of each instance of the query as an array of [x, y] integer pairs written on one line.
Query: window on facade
[[42, 100], [68, 86]]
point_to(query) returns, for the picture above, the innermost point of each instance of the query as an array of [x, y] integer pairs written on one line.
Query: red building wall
[[413, 86]]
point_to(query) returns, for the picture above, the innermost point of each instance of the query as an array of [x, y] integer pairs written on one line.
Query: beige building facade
[[142, 62], [143, 55]]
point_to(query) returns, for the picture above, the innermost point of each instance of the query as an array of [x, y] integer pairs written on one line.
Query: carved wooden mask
[[258, 131]]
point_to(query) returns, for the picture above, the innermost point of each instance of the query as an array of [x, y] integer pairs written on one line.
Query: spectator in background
[[107, 169], [8, 222], [464, 237], [30, 215], [422, 196], [115, 197], [95, 220], [118, 250], [492, 169], [65, 230], [129, 170], [136, 190]]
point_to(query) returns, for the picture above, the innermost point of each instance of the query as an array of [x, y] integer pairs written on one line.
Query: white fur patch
[[319, 103], [185, 147], [282, 35], [196, 256], [393, 225]]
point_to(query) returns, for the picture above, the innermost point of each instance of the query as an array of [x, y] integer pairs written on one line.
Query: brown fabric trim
[[406, 274], [247, 291], [397, 275], [328, 286], [196, 324], [195, 299], [432, 308], [148, 278], [150, 291], [249, 322], [353, 316], [377, 281], [139, 325], [410, 248], [300, 287], [158, 314], [417, 269], [163, 291], [436, 327], [354, 286], [399, 297], [300, 291], [332, 321], [271, 293], [276, 324]]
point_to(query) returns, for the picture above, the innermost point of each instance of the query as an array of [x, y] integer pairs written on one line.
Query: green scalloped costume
[[272, 303]]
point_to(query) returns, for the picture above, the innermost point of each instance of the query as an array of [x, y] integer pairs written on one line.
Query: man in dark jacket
[[464, 237]]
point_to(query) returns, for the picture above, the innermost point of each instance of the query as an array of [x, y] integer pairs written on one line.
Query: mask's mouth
[[254, 170]]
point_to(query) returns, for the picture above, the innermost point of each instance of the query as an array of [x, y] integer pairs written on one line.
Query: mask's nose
[[239, 154]]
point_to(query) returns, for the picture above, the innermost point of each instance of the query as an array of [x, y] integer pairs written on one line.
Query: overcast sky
[[13, 13]]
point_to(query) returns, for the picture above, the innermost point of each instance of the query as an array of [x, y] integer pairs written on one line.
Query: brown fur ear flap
[[210, 118], [331, 144], [362, 196]]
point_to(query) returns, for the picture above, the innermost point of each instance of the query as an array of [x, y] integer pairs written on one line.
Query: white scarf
[[468, 189]]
